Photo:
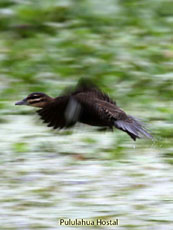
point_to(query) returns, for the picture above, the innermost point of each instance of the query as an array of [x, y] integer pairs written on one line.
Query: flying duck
[[88, 105]]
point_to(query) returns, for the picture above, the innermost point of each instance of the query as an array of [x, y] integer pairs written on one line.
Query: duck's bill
[[22, 102]]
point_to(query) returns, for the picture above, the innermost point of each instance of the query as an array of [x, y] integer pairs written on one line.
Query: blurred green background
[[126, 48]]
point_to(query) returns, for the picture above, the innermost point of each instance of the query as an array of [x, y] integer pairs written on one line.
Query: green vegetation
[[120, 44], [126, 48]]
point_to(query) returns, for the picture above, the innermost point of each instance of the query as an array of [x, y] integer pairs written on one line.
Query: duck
[[87, 105]]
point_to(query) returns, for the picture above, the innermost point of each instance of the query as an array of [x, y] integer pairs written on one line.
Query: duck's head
[[36, 100]]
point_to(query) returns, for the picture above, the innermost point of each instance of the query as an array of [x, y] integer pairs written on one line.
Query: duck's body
[[87, 105]]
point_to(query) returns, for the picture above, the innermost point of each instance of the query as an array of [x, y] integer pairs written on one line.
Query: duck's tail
[[133, 128]]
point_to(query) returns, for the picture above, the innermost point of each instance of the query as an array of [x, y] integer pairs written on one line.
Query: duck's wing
[[112, 115], [61, 113], [102, 106], [90, 90], [132, 126], [94, 92]]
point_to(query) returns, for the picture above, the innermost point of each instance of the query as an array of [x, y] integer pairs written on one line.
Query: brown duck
[[87, 105]]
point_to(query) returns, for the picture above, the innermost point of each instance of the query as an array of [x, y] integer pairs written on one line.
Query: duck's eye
[[36, 100]]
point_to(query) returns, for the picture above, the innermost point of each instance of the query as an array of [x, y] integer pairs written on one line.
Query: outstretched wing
[[110, 115], [95, 111], [61, 113], [134, 128], [95, 93], [89, 89]]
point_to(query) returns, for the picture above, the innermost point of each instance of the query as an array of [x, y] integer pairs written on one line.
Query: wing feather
[[54, 113], [89, 89], [112, 116]]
